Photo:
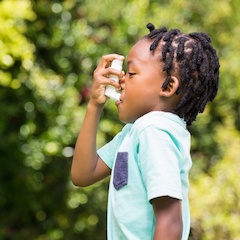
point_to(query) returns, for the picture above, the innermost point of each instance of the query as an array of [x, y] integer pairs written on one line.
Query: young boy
[[170, 77]]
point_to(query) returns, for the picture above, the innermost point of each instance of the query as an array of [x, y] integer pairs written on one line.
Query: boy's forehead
[[140, 52], [142, 43]]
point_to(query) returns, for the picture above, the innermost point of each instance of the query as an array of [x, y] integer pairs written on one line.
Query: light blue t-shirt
[[149, 158]]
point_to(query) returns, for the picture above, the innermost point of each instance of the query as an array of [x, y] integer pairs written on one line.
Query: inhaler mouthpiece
[[111, 91]]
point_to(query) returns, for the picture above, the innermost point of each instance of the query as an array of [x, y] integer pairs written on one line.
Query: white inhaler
[[111, 91]]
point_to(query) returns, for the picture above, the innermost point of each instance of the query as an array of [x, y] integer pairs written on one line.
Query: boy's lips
[[120, 99], [118, 102]]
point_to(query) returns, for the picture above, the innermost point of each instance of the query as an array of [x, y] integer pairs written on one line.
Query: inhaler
[[111, 91]]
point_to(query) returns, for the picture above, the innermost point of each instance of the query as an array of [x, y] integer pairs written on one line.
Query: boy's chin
[[125, 119]]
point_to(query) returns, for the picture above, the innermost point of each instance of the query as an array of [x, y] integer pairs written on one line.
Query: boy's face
[[142, 84]]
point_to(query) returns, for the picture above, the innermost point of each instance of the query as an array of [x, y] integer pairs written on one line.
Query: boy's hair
[[191, 58]]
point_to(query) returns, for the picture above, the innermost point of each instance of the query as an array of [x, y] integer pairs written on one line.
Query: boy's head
[[192, 59], [169, 71]]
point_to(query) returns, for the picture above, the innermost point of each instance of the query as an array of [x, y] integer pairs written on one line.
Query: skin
[[137, 99]]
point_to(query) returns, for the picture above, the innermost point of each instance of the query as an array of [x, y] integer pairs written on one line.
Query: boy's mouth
[[118, 102]]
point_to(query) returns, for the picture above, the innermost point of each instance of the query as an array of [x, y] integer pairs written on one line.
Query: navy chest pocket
[[120, 175]]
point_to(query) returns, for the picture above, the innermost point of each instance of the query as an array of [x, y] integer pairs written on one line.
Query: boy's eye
[[131, 74]]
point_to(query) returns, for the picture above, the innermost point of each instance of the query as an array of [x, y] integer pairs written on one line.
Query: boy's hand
[[101, 80]]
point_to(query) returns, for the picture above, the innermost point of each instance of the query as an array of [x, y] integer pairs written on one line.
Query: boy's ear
[[171, 88]]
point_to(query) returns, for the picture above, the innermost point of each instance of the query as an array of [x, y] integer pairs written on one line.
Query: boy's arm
[[87, 167], [168, 216]]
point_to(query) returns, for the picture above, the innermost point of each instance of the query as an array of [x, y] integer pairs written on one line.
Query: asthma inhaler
[[111, 91]]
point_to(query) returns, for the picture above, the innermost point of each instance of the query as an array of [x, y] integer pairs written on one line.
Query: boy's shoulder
[[156, 121], [159, 119]]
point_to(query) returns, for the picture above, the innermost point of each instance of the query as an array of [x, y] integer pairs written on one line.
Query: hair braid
[[194, 60]]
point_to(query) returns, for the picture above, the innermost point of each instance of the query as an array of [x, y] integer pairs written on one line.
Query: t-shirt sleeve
[[159, 162], [108, 152]]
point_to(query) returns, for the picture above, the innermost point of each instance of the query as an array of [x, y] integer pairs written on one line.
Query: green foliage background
[[48, 51]]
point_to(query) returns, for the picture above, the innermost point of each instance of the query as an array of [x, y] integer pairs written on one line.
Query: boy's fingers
[[106, 60], [106, 72]]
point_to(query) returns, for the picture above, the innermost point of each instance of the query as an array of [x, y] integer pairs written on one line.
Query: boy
[[170, 77]]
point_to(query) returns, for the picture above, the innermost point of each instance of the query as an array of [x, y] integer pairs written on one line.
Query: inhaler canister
[[111, 91]]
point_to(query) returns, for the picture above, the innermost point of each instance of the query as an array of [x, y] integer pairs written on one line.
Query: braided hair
[[196, 63]]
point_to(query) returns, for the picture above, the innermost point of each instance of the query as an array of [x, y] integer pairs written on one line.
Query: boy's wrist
[[92, 105]]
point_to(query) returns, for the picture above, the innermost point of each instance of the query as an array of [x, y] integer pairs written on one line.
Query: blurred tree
[[49, 50], [217, 216]]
